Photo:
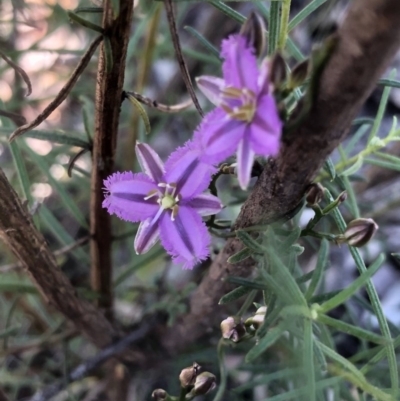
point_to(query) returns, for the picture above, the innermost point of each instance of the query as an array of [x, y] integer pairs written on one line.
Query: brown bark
[[367, 40], [20, 235], [108, 102]]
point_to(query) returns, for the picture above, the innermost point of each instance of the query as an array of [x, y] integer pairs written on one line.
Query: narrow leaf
[[345, 294], [267, 341], [250, 242], [234, 295], [239, 256]]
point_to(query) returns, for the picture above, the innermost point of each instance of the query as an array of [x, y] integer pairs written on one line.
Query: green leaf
[[391, 158], [265, 342], [383, 163], [17, 287], [273, 27], [356, 138], [354, 168], [207, 45], [11, 331], [247, 283], [239, 256], [330, 168], [350, 329], [234, 295], [305, 12], [138, 262], [285, 279], [250, 242], [389, 82], [373, 296], [141, 111], [308, 360], [381, 109], [61, 234], [322, 261], [345, 294]]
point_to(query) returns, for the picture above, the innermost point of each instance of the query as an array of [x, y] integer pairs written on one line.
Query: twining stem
[[284, 26], [110, 79]]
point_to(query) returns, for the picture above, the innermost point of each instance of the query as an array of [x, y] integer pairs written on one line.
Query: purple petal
[[184, 168], [218, 136], [245, 158], [205, 204], [186, 238], [147, 235], [264, 86], [266, 128], [211, 88], [149, 161], [125, 196], [240, 65]]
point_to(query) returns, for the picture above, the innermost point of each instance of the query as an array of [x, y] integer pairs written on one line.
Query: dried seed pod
[[360, 231]]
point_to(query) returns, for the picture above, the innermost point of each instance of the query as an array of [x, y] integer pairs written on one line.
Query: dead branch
[[22, 238], [367, 41]]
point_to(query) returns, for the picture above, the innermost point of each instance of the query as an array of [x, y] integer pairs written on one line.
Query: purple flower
[[168, 201], [246, 119]]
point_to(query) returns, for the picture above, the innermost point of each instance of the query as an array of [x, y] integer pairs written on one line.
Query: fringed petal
[[186, 238], [149, 161], [205, 204], [240, 68], [125, 196]]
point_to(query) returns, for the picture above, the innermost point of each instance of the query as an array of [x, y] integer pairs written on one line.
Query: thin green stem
[[376, 305], [284, 28], [222, 371]]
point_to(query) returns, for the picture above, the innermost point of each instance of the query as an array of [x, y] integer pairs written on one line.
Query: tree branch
[[367, 41], [108, 102], [28, 245]]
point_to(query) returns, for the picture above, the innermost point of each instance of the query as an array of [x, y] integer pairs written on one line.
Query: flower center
[[167, 199], [240, 104], [168, 202]]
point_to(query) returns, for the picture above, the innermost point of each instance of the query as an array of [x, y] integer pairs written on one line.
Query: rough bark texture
[[108, 102], [29, 246], [367, 40]]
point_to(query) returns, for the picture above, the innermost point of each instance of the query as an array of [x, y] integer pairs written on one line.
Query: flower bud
[[159, 394], [277, 73], [299, 74], [233, 329], [257, 320], [188, 375], [254, 31], [205, 382], [315, 193], [360, 231]]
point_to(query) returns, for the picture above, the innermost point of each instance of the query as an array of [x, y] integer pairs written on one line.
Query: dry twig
[[63, 92]]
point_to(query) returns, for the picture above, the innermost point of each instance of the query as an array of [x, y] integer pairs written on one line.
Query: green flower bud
[[188, 375], [233, 329], [360, 231]]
